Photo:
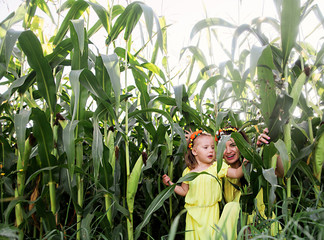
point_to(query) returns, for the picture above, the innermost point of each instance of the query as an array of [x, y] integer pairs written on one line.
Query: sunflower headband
[[193, 137], [221, 132]]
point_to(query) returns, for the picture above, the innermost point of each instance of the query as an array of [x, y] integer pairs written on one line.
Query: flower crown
[[193, 137], [221, 132]]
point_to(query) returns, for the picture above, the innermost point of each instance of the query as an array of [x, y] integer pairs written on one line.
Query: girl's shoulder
[[185, 171]]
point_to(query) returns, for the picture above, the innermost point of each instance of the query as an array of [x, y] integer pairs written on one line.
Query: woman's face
[[231, 152]]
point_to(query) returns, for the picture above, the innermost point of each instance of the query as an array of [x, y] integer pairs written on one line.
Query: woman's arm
[[236, 172], [181, 190], [264, 139]]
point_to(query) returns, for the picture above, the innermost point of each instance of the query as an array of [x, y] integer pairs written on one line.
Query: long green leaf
[[44, 135], [220, 150], [281, 147], [178, 92], [296, 91], [97, 148], [44, 77], [75, 12], [279, 116], [246, 150], [209, 22], [267, 89], [160, 198], [21, 121], [290, 18], [111, 63], [132, 183], [319, 157]]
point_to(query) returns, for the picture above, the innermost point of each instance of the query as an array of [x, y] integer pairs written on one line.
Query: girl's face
[[204, 149], [231, 152]]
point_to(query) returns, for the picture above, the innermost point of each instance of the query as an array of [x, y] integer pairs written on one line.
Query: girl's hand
[[166, 180], [245, 161], [263, 138]]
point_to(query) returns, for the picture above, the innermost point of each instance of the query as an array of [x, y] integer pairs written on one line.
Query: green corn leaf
[[270, 176], [296, 91], [69, 144], [12, 19], [80, 45], [102, 76], [7, 46], [60, 52], [10, 232], [102, 14], [111, 63], [238, 83], [246, 28], [160, 198], [43, 133], [319, 157], [279, 116], [155, 69], [247, 151], [319, 57], [198, 55], [290, 18], [132, 183], [174, 226], [97, 148], [44, 77], [281, 147], [16, 84], [209, 22], [256, 53], [220, 150], [210, 83], [21, 121], [88, 80], [150, 110], [78, 26], [267, 89], [75, 12], [303, 153], [141, 80], [269, 150], [185, 107], [178, 93]]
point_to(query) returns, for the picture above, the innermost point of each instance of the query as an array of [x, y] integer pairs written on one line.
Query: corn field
[[86, 133]]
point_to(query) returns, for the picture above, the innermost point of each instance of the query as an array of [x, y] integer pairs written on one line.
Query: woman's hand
[[188, 135], [263, 138], [166, 180]]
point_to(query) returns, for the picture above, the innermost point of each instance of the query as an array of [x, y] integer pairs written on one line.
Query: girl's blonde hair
[[190, 159]]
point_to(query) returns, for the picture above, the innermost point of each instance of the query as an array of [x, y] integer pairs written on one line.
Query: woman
[[232, 157]]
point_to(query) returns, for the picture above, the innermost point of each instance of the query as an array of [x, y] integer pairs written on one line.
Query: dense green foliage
[[86, 136]]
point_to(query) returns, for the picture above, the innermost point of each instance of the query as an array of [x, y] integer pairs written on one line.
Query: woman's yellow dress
[[233, 194], [203, 219]]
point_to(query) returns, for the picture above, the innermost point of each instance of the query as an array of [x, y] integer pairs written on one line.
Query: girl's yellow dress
[[203, 219]]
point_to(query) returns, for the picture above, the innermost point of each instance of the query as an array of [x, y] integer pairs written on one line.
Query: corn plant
[[86, 133]]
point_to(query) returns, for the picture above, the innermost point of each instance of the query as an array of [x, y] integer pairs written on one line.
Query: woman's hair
[[229, 130], [190, 159]]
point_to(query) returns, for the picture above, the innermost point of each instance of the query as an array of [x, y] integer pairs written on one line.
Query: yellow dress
[[233, 194], [203, 219]]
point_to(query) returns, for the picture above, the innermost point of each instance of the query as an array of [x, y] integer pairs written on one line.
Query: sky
[[183, 14]]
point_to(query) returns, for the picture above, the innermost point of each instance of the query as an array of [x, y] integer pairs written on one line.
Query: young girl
[[203, 194]]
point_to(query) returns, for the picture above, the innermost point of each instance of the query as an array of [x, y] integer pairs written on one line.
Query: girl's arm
[[236, 172], [180, 190]]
